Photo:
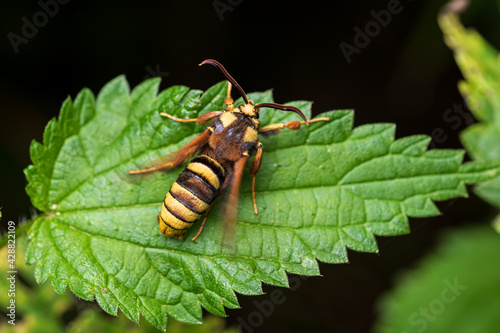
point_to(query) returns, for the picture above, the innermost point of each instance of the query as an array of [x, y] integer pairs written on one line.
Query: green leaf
[[39, 309], [480, 65], [453, 290], [320, 190], [496, 224]]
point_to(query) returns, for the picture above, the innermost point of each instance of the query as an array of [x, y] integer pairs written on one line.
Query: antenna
[[226, 74]]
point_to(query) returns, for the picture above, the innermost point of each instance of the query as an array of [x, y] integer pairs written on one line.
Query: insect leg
[[200, 120], [182, 155], [253, 171], [204, 220], [229, 100], [293, 125]]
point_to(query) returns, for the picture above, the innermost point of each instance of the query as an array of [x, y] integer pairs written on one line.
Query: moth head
[[249, 107]]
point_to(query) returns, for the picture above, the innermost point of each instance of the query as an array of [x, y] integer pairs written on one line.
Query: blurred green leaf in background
[[457, 289], [453, 290], [480, 65]]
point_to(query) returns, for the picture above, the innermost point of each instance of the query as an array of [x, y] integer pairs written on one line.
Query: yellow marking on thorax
[[205, 172], [248, 109], [251, 135], [227, 118]]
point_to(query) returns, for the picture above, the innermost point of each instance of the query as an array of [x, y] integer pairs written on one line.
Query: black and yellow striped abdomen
[[190, 196]]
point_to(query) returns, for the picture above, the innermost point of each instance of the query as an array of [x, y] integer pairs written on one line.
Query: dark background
[[405, 75]]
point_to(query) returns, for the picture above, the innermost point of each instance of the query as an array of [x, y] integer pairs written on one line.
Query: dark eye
[[257, 115]]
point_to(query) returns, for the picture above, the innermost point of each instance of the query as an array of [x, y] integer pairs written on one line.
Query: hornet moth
[[222, 151]]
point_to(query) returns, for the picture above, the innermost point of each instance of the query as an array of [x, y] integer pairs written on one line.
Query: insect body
[[191, 195], [223, 149]]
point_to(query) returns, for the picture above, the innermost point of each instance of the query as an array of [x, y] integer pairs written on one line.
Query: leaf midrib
[[104, 171], [344, 185], [232, 256]]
